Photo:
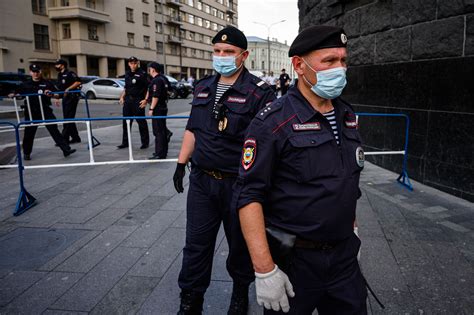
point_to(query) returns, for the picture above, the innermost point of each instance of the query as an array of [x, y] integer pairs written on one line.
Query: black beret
[[35, 68], [154, 65], [231, 35], [61, 62], [317, 37], [132, 59]]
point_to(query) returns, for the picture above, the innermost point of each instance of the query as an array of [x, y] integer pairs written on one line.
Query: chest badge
[[222, 124], [307, 126], [360, 156], [249, 153], [40, 91], [233, 99], [202, 95], [134, 81], [63, 81]]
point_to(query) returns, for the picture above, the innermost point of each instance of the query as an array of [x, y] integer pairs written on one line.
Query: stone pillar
[[81, 61], [103, 67], [120, 66]]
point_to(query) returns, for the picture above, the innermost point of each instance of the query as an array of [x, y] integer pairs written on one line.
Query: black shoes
[[78, 140], [191, 303], [169, 134], [122, 146], [239, 302], [156, 157], [68, 152], [144, 146], [26, 157]]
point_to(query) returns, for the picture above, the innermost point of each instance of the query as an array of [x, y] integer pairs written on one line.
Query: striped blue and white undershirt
[[331, 117]]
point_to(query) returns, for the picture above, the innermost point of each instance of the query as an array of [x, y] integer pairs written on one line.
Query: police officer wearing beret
[[38, 85], [298, 187], [134, 102], [157, 98], [68, 81], [222, 108]]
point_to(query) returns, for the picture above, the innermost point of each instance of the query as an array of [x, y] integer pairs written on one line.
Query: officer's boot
[[239, 302], [191, 303]]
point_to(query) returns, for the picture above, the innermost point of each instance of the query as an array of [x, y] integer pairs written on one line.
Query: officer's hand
[[143, 103], [47, 92], [150, 112], [121, 101], [178, 177], [11, 95], [273, 289]]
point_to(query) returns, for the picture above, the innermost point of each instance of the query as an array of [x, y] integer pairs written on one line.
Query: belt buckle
[[216, 174]]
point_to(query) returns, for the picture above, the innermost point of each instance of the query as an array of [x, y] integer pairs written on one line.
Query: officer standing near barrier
[[284, 82], [38, 85], [222, 107], [68, 81], [158, 99], [298, 187], [134, 102]]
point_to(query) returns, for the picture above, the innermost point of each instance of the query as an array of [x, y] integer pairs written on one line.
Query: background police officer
[[222, 107], [284, 81], [68, 81], [299, 183], [38, 85], [134, 102], [158, 98]]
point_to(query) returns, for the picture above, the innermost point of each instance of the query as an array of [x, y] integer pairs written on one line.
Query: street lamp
[[268, 39]]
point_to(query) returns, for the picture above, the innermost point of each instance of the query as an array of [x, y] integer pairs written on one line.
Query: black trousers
[[209, 204], [160, 132], [131, 107], [283, 89], [30, 132], [70, 132], [327, 280]]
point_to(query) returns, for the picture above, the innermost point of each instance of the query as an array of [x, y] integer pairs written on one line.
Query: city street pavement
[[108, 239]]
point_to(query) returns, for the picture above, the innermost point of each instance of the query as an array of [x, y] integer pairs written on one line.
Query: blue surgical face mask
[[329, 83], [225, 65]]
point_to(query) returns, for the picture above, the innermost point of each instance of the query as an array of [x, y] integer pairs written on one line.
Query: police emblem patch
[[224, 37], [343, 38], [360, 156], [134, 81], [40, 91], [249, 153]]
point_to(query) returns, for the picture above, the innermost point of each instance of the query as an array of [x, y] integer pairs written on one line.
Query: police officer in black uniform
[[284, 81], [158, 99], [222, 107], [298, 187], [68, 81], [38, 85], [134, 102]]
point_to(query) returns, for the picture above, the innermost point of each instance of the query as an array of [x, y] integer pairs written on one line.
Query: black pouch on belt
[[281, 245]]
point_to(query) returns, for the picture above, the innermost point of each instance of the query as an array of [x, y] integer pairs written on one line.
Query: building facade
[[96, 36], [258, 58], [414, 57]]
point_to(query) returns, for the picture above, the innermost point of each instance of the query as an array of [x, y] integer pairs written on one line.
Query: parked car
[[88, 78], [10, 81], [178, 89], [109, 88]]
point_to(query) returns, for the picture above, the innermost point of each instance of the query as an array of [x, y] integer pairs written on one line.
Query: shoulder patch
[[260, 83], [249, 153]]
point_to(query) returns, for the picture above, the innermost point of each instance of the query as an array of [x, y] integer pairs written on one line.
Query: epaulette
[[270, 109], [260, 83]]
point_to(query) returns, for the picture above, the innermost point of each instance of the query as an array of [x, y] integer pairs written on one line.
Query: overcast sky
[[268, 12]]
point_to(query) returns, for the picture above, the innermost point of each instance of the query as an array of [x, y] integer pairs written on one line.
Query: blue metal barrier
[[403, 179]]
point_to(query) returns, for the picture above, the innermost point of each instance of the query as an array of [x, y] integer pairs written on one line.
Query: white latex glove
[[356, 232], [273, 289]]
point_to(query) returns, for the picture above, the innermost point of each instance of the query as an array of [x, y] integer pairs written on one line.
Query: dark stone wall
[[414, 57]]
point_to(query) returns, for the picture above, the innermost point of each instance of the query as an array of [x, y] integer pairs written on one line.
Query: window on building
[[146, 42], [199, 37], [199, 5], [64, 3], [190, 18], [263, 64], [66, 31], [214, 26], [220, 15], [207, 39], [92, 31], [199, 21], [174, 49], [207, 24], [214, 11], [193, 52], [131, 39], [191, 35], [129, 13], [159, 47], [158, 27], [90, 4], [157, 6], [38, 6], [207, 9], [145, 17], [41, 36], [191, 3], [173, 30]]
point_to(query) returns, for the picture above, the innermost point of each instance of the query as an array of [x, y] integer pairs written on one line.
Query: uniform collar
[[303, 108]]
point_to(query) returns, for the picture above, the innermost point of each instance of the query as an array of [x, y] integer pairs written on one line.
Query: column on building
[[103, 67], [81, 61], [120, 67]]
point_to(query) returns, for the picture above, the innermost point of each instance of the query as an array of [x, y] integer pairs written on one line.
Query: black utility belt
[[219, 174], [316, 245]]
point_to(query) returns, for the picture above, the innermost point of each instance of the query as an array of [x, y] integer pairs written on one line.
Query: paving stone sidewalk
[[108, 239]]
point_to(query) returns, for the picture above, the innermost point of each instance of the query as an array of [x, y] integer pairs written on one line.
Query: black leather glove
[[178, 177]]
